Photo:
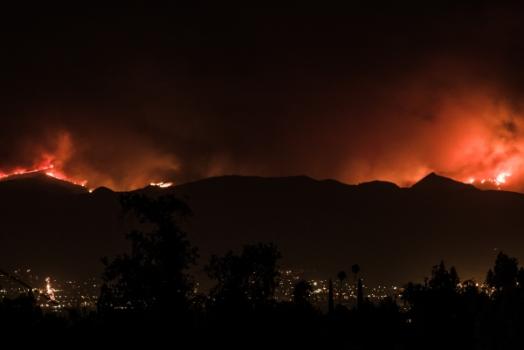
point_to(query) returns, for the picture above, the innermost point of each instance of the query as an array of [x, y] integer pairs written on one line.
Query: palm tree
[[355, 269], [341, 277]]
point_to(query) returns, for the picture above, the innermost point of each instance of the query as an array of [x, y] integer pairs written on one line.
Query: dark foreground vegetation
[[149, 295]]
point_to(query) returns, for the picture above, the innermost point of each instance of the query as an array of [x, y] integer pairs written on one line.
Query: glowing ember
[[161, 184]]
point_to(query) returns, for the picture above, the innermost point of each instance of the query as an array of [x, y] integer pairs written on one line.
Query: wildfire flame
[[47, 168], [161, 184], [58, 156], [50, 169], [53, 171], [498, 180]]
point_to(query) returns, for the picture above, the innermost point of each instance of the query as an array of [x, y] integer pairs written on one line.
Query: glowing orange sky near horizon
[[478, 157], [473, 137]]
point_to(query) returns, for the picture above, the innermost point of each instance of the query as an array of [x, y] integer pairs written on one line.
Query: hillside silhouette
[[433, 182], [395, 232]]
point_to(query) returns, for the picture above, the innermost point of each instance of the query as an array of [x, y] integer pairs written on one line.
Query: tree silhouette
[[245, 280], [442, 279], [506, 320], [503, 277], [341, 278], [152, 277], [489, 278], [302, 293], [355, 269], [360, 293], [331, 303], [443, 310], [520, 278]]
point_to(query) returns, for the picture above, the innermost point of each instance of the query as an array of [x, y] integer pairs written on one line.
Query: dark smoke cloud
[[354, 94]]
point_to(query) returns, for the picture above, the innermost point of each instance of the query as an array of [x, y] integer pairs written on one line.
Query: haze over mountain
[[395, 234]]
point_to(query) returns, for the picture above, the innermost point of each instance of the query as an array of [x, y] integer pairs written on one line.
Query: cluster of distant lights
[[51, 171], [378, 292], [71, 295], [320, 289]]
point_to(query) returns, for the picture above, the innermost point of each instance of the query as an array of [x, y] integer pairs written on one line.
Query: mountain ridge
[[432, 181], [394, 233]]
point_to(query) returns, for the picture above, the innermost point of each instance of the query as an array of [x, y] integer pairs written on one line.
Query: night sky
[[387, 91]]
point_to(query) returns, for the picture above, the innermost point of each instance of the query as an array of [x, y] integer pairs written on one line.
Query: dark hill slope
[[394, 233]]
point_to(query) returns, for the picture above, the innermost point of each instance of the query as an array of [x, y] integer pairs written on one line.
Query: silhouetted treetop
[[443, 279], [152, 276], [302, 292], [341, 275], [247, 278], [355, 269], [504, 273]]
